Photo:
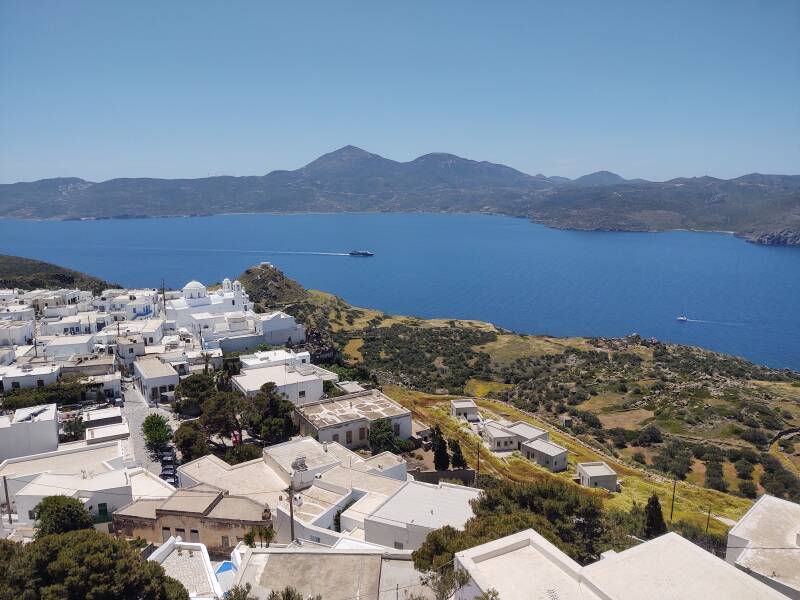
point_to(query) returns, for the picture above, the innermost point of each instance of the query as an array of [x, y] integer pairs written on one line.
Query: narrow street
[[135, 411]]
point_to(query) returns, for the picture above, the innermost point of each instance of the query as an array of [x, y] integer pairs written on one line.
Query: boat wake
[[727, 324]]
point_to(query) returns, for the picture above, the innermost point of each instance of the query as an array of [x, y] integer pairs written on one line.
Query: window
[[302, 393], [15, 385], [102, 509], [194, 535], [31, 515], [130, 350], [336, 437], [165, 534], [349, 436], [362, 433], [397, 429], [40, 383], [315, 538], [225, 543], [180, 532], [398, 545]]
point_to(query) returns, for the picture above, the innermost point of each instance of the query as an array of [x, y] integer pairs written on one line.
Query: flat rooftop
[[69, 458], [102, 413], [251, 380], [496, 430], [188, 565], [254, 479], [150, 368], [465, 403], [427, 505], [316, 455], [596, 469], [670, 566], [771, 523], [545, 447], [69, 340], [369, 404], [336, 575], [525, 566], [526, 431]]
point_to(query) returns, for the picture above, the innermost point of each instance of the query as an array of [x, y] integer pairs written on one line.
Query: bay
[[740, 298]]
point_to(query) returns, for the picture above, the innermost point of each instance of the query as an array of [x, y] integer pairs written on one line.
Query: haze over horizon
[[103, 91]]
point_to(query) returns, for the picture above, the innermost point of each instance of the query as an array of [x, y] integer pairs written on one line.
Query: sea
[[739, 298]]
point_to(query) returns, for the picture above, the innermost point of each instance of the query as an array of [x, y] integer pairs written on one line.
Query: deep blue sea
[[740, 298]]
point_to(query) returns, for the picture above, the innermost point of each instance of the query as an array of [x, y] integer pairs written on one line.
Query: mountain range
[[761, 208]]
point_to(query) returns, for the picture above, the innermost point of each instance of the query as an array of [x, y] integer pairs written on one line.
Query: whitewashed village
[[299, 478]]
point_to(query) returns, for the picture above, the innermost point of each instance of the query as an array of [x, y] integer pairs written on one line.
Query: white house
[[525, 565], [545, 454], [68, 345], [16, 333], [404, 520], [507, 437], [17, 312], [27, 375], [765, 543], [301, 384], [271, 358], [279, 328], [196, 299], [31, 430], [347, 419], [152, 377], [465, 408], [189, 563], [597, 475]]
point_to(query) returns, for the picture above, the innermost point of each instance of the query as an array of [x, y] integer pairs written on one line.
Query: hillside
[[762, 208], [26, 273], [715, 420]]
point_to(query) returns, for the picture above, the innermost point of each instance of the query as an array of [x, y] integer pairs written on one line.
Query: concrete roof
[[188, 565], [254, 478], [102, 413], [771, 523], [671, 567], [143, 509], [526, 430], [68, 340], [596, 469], [336, 575], [464, 403], [316, 454], [237, 508], [251, 380], [546, 447], [107, 432], [525, 566], [42, 412], [428, 505], [68, 458], [147, 485], [49, 484], [369, 405], [151, 368], [496, 430], [196, 499]]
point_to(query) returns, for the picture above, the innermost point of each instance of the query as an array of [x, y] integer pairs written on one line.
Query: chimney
[[324, 446]]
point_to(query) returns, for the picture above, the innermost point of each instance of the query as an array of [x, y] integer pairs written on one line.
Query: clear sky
[[187, 89]]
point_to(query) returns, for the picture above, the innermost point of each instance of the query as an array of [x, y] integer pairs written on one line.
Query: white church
[[195, 299]]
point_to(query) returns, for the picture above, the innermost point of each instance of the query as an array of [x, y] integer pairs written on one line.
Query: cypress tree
[[653, 519]]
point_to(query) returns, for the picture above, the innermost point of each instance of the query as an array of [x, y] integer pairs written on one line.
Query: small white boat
[[682, 318]]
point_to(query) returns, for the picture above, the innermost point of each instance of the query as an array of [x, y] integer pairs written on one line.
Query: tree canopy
[[191, 392], [190, 439], [82, 565], [60, 514], [157, 433], [653, 519]]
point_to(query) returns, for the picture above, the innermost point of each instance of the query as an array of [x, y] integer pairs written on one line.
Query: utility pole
[[672, 509], [291, 510], [708, 518], [8, 502], [478, 468]]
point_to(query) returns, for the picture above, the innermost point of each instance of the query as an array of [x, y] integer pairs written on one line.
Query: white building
[[765, 543], [404, 520], [597, 475], [507, 437], [465, 408], [525, 565], [16, 333], [80, 323], [347, 419], [65, 346], [17, 312], [545, 454], [271, 358], [196, 299], [301, 384], [27, 375], [31, 430], [153, 378], [279, 329]]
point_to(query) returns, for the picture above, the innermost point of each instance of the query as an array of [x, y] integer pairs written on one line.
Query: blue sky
[[186, 89]]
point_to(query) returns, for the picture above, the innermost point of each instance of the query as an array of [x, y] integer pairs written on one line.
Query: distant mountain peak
[[600, 178]]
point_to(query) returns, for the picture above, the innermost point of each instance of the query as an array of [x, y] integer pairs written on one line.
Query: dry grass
[[480, 388], [691, 502], [352, 350], [627, 419], [509, 347]]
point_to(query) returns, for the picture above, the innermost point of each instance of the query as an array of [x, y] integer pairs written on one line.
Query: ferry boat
[[360, 253], [682, 318]]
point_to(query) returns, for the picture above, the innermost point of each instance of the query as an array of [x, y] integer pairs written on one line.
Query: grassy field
[[691, 502], [480, 388]]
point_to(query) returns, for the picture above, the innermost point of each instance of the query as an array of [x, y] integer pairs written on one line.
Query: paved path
[[135, 411]]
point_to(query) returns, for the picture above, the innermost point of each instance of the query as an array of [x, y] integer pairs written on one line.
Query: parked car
[[167, 459]]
